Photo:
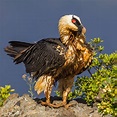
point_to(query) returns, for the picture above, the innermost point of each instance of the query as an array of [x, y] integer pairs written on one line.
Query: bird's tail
[[15, 50]]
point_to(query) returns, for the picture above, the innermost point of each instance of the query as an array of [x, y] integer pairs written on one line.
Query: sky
[[33, 20]]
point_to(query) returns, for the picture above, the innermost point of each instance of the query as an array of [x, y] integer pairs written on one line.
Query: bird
[[52, 60]]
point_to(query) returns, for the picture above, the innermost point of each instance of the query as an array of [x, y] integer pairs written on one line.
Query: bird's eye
[[74, 21]]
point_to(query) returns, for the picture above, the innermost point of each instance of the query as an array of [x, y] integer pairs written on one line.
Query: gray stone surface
[[25, 106]]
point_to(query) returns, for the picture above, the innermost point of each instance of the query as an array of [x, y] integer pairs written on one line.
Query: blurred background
[[32, 20]]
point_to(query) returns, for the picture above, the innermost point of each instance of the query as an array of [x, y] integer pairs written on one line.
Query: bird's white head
[[69, 24], [68, 21]]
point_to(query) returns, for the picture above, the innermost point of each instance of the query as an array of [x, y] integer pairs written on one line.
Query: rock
[[25, 106]]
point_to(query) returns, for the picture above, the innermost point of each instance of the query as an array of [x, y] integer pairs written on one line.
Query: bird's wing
[[43, 56]]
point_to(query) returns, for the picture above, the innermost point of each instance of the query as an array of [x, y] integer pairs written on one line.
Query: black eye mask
[[75, 21], [78, 24]]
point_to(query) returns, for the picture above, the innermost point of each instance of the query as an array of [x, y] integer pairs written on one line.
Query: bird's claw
[[48, 104], [64, 105], [56, 105]]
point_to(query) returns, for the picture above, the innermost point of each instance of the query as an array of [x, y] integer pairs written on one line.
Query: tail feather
[[15, 50]]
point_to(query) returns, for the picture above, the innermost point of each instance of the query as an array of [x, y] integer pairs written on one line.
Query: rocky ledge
[[25, 106]]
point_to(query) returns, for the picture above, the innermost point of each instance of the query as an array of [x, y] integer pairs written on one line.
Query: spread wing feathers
[[16, 47], [41, 57]]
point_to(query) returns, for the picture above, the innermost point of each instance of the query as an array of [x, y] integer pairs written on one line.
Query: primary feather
[[40, 57]]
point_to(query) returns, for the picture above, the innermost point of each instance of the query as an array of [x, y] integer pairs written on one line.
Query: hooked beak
[[81, 29]]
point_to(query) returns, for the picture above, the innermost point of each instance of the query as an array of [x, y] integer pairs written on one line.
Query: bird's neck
[[69, 37], [64, 35]]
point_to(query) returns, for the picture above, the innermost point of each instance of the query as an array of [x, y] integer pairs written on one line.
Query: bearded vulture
[[55, 59]]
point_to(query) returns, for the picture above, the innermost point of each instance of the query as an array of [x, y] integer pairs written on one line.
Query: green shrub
[[100, 84], [5, 93]]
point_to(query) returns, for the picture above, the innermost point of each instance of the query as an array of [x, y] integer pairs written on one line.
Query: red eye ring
[[73, 21]]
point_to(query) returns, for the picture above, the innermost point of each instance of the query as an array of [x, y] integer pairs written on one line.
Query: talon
[[60, 105], [49, 104], [63, 104], [44, 103], [52, 105], [68, 105], [56, 105]]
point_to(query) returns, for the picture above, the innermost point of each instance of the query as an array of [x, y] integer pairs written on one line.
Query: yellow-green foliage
[[101, 82], [5, 93]]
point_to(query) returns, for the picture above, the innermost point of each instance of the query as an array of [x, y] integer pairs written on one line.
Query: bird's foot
[[68, 105], [58, 105], [48, 104], [63, 104]]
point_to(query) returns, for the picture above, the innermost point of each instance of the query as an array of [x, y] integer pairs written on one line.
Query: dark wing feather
[[16, 47], [42, 56]]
